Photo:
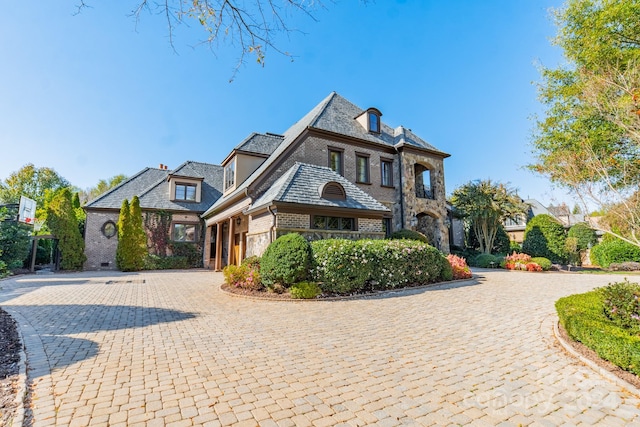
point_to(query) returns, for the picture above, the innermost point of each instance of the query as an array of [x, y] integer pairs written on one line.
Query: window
[[424, 189], [186, 192], [184, 232], [333, 223], [230, 174], [362, 168], [386, 171], [109, 229], [374, 122], [386, 226], [335, 161]]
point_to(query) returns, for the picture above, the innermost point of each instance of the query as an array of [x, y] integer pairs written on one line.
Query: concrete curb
[[608, 375], [378, 294]]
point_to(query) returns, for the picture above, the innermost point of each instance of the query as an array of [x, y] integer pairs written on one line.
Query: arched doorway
[[429, 225]]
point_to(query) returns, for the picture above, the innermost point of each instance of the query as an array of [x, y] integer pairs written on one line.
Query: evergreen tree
[[124, 225], [132, 240], [62, 222], [138, 235]]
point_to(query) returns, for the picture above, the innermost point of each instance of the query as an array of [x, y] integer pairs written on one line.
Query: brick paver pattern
[[170, 348]]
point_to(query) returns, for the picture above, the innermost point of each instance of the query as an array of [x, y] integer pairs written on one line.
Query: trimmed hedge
[[305, 290], [542, 262], [584, 319], [286, 261], [347, 266], [544, 236], [409, 235], [154, 262], [613, 251], [485, 260]]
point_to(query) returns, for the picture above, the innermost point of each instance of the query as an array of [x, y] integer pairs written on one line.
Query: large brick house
[[338, 172]]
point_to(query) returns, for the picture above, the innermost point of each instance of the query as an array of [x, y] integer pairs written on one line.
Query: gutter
[[402, 223], [273, 226]]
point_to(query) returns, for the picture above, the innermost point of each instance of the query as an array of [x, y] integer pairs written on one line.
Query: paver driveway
[[172, 349]]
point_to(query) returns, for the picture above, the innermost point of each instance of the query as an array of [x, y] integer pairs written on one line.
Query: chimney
[[161, 166], [166, 167]]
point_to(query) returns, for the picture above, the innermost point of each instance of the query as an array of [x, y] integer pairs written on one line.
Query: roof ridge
[[112, 189]]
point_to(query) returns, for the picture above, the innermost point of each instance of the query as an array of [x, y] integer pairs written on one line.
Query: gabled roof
[[151, 187], [337, 115], [302, 183], [260, 143]]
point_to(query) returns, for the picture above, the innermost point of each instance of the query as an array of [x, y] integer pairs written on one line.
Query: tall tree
[[589, 137], [31, 182], [138, 235], [484, 207], [62, 222]]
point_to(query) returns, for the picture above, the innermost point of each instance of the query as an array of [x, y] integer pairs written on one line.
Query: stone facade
[[426, 215]]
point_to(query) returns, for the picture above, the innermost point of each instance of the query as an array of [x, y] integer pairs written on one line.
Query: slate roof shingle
[[301, 185], [151, 187]]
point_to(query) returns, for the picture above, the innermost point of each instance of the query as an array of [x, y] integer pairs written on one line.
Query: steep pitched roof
[[151, 187], [302, 183], [333, 114]]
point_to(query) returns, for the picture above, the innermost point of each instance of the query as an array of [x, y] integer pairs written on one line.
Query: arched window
[[333, 191], [424, 188]]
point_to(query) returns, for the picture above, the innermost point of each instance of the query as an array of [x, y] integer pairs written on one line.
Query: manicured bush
[[459, 267], [485, 261], [252, 262], [584, 319], [622, 304], [613, 250], [345, 266], [286, 261], [447, 269], [409, 235], [522, 262], [242, 276], [542, 262], [544, 236], [305, 290]]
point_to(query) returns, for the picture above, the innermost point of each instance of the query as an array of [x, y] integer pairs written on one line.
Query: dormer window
[[374, 122], [186, 192], [370, 120], [230, 175]]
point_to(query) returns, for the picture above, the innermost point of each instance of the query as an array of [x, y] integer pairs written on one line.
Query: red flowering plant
[[520, 262], [459, 266]]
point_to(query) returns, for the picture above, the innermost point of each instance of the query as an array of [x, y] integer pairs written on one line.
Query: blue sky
[[93, 95]]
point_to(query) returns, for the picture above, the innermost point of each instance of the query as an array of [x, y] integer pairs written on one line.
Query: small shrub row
[[524, 262], [155, 262], [585, 319]]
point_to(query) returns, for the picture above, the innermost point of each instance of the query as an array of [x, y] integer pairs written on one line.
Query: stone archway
[[430, 227]]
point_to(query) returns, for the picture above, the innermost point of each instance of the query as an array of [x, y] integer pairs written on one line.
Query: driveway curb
[[608, 375]]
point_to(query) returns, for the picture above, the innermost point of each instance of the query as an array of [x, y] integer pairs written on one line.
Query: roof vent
[[333, 191]]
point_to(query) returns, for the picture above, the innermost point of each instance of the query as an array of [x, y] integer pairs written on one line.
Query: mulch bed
[[9, 359], [591, 355]]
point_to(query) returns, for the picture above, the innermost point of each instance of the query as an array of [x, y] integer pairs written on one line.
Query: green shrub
[[515, 247], [14, 244], [409, 235], [286, 261], [622, 304], [188, 250], [544, 236], [447, 269], [305, 290], [345, 266], [542, 262], [61, 220], [154, 262], [584, 319], [252, 262], [585, 235], [613, 250], [485, 261], [3, 269]]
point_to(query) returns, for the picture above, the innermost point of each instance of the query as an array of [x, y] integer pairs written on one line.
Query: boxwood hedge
[[584, 319]]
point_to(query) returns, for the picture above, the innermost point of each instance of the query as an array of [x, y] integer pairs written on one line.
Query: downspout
[[273, 226], [402, 225]]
